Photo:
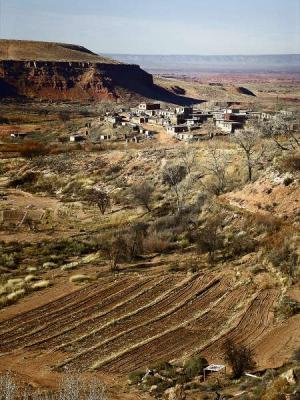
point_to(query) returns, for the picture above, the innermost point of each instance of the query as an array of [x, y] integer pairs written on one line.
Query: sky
[[218, 27]]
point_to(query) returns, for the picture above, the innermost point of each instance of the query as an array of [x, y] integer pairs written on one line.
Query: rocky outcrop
[[63, 80], [175, 393]]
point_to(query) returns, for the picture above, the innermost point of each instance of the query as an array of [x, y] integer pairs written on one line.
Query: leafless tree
[[210, 237], [247, 141], [142, 193], [115, 246], [216, 166], [188, 156], [135, 238], [100, 197], [278, 127], [173, 175]]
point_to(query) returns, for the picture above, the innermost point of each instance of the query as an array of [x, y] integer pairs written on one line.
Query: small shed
[[77, 138], [214, 368]]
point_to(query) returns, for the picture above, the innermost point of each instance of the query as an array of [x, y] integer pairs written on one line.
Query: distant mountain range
[[285, 63]]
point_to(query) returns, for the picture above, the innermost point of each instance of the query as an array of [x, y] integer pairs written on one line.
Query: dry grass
[[40, 285], [80, 278]]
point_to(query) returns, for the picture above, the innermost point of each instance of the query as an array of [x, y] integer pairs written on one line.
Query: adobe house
[[148, 106], [105, 137], [139, 120], [173, 129], [228, 126], [268, 115], [149, 134], [186, 111], [77, 138], [19, 135], [113, 119]]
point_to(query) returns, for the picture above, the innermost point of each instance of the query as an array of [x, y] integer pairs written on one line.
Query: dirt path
[[162, 136]]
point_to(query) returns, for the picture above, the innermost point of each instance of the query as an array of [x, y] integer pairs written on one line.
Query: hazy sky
[[158, 26]]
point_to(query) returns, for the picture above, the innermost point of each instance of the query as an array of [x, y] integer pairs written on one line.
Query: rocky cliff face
[[63, 80]]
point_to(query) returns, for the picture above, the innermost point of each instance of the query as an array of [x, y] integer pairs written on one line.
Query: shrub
[[287, 181], [143, 193], [239, 357], [157, 244], [100, 197], [287, 308], [296, 355], [210, 238], [283, 256], [28, 178], [40, 285], [16, 295], [291, 162], [276, 390], [33, 149], [136, 377], [30, 278], [266, 223], [195, 365], [79, 278], [240, 243]]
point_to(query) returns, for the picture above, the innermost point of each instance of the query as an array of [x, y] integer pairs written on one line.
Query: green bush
[[136, 377], [287, 308], [195, 365]]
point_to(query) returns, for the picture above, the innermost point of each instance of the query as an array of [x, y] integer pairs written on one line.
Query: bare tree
[[247, 140], [210, 237], [216, 166], [239, 357], [188, 156], [173, 175], [142, 193], [278, 127], [100, 197], [115, 246], [135, 238]]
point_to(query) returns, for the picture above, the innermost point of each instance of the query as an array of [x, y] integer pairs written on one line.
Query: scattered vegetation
[[239, 357], [71, 387]]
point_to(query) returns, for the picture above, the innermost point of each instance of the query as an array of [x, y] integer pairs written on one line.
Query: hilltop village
[[183, 123]]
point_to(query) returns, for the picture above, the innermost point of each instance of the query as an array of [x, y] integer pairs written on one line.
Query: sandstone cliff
[[57, 71], [71, 80]]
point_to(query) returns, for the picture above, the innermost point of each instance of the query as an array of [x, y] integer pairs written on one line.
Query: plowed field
[[131, 322]]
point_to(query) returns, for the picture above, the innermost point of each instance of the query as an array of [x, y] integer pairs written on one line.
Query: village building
[[177, 119], [173, 129], [149, 134], [228, 126], [286, 113], [186, 111], [267, 115], [77, 138], [19, 135], [148, 106], [114, 119], [139, 120], [105, 137]]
